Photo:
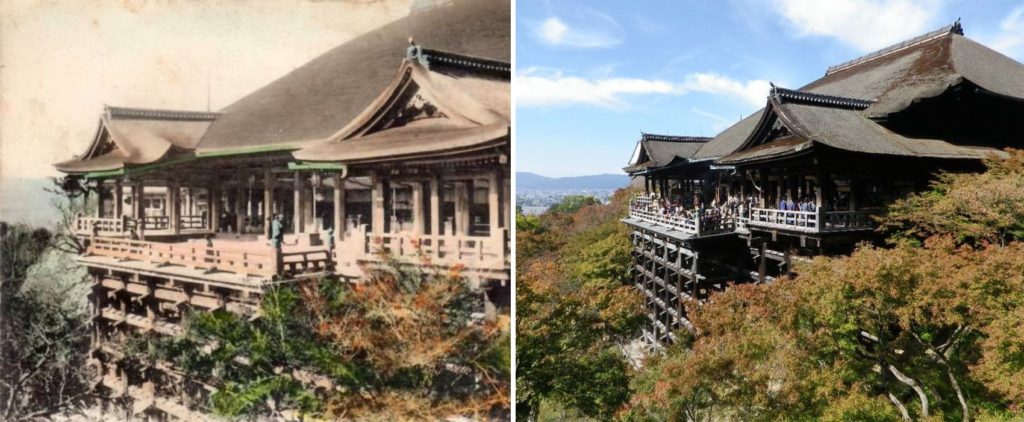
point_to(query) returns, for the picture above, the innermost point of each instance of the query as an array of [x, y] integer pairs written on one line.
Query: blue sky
[[591, 75]]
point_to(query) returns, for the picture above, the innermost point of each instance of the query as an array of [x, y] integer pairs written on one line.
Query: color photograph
[[769, 210]]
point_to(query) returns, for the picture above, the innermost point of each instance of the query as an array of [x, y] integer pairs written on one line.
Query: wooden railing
[[643, 208], [264, 261], [443, 249], [811, 221], [783, 219], [156, 222], [192, 222], [86, 226], [122, 227], [849, 220]]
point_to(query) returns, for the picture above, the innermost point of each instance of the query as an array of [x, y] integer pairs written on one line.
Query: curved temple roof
[[825, 122], [427, 109], [316, 101], [133, 136], [321, 97], [888, 81], [662, 150]]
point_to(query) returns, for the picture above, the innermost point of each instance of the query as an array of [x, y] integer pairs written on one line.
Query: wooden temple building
[[395, 142], [803, 175]]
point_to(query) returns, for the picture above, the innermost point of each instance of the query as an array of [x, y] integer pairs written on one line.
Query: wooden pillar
[[377, 203], [99, 199], [118, 199], [417, 208], [435, 206], [339, 206], [762, 268], [268, 200], [493, 203], [175, 206], [461, 208], [297, 203], [821, 188], [506, 203], [186, 202], [743, 186], [853, 193], [136, 194], [240, 205], [213, 198]]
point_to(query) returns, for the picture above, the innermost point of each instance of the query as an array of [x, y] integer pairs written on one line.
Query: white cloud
[[553, 30], [752, 92], [582, 28], [864, 24], [556, 89], [1010, 39]]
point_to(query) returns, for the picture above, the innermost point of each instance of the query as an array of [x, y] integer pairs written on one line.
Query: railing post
[[278, 260]]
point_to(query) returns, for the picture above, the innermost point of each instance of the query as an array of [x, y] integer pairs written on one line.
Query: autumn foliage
[[398, 345], [574, 309], [930, 328]]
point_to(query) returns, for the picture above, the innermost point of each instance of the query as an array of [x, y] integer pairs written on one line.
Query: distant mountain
[[27, 201], [526, 180]]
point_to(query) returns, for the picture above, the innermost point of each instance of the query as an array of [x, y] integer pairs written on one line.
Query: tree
[[43, 327], [925, 329], [400, 344], [971, 207], [574, 310], [572, 203]]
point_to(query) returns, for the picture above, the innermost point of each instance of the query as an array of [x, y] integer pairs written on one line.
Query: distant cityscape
[[537, 201], [536, 193]]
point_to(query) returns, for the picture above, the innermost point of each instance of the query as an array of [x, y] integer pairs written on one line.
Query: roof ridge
[[954, 28], [429, 56], [673, 138], [805, 97], [158, 114]]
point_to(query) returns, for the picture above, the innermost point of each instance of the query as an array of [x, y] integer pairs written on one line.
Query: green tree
[[575, 310], [398, 345], [926, 329], [572, 203], [971, 207], [43, 327]]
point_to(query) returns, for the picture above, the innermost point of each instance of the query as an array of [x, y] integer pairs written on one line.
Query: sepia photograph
[[257, 210]]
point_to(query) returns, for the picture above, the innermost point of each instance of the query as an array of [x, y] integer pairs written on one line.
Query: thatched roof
[[814, 119], [318, 99], [892, 78], [662, 150], [922, 70]]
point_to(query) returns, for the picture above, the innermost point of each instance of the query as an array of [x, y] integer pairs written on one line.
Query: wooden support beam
[[493, 203], [462, 199], [377, 203], [435, 206], [118, 199], [175, 206], [297, 223], [268, 200], [339, 206], [240, 204], [417, 208]]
